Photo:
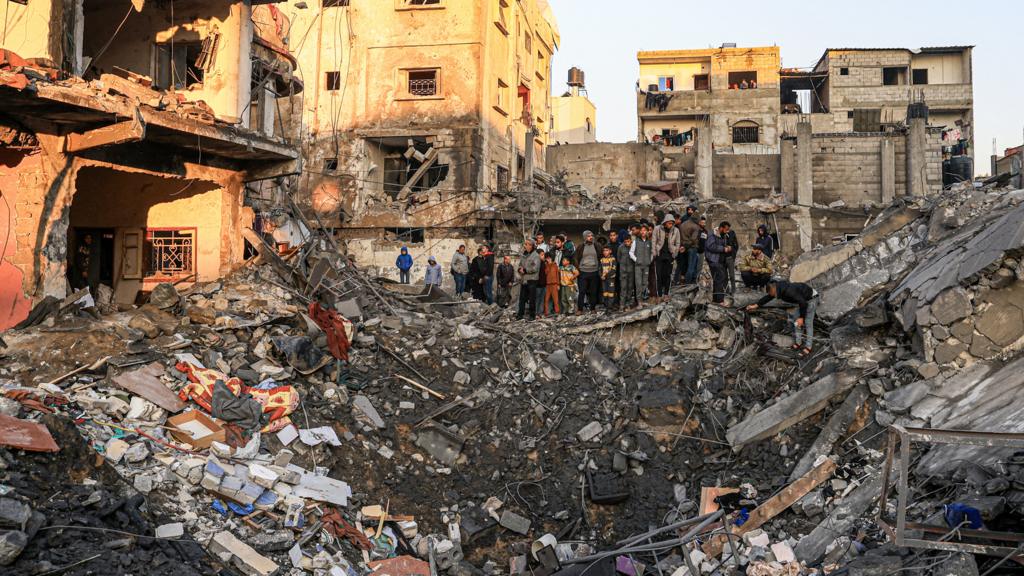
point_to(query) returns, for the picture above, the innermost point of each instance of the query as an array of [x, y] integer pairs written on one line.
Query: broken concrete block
[[12, 543], [590, 432], [790, 410], [559, 359], [783, 553], [514, 522], [230, 549], [364, 412], [262, 475], [756, 538], [951, 305], [442, 444], [172, 530], [115, 449], [468, 332], [136, 453], [601, 365]]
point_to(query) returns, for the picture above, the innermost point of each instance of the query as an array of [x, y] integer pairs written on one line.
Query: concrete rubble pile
[[298, 417]]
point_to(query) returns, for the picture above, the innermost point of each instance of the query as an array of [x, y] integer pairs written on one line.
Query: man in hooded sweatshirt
[[404, 264], [460, 269], [588, 261], [432, 277], [665, 244], [765, 241], [529, 271]]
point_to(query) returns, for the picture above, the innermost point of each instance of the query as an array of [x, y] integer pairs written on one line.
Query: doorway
[[91, 258]]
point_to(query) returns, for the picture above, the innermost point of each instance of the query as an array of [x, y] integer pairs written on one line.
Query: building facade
[[573, 115], [128, 134], [418, 116]]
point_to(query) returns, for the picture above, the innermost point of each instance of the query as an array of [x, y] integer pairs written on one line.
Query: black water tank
[[917, 110], [957, 169]]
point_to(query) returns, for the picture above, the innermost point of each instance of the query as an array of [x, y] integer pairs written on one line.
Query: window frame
[[706, 82], [502, 21], [755, 130], [844, 70], [403, 77], [332, 78], [669, 84], [407, 5], [502, 92], [149, 272], [913, 76]]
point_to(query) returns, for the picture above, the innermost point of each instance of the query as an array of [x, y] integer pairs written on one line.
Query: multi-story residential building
[[128, 132], [419, 114], [732, 91], [573, 115]]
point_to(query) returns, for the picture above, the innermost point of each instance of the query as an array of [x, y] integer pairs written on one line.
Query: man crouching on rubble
[[529, 269], [802, 317]]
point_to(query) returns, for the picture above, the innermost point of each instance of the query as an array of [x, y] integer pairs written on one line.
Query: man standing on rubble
[[665, 244], [529, 269], [627, 274], [404, 264], [730, 258], [689, 233], [717, 248], [506, 278], [588, 262], [460, 269], [802, 316], [640, 254]]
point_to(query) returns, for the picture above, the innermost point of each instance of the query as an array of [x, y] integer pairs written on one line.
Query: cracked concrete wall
[[594, 166]]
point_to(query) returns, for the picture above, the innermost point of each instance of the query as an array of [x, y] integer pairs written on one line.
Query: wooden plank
[[773, 506], [418, 175], [120, 133]]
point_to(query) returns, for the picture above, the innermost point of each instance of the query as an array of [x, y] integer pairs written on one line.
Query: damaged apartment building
[[420, 117], [128, 130], [859, 128]]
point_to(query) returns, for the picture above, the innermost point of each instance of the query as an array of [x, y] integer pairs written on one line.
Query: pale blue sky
[[603, 36]]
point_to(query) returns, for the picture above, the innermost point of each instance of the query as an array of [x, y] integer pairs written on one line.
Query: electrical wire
[[118, 29]]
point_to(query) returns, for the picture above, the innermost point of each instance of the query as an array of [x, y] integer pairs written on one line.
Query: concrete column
[[888, 157], [1020, 171], [804, 176], [917, 143], [788, 177], [992, 171], [704, 168]]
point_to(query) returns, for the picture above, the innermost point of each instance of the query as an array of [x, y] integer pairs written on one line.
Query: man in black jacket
[[802, 316], [506, 278]]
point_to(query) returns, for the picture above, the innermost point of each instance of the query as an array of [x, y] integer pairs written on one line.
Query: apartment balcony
[[687, 103]]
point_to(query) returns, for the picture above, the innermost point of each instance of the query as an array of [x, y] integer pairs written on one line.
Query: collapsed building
[[129, 132], [420, 118]]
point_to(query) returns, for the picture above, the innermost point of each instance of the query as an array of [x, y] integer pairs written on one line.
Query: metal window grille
[[171, 251], [745, 135], [423, 83]]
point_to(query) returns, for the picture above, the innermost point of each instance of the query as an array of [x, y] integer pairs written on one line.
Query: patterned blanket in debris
[[278, 402]]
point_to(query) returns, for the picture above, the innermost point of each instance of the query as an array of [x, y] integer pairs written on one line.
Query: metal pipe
[[657, 545], [647, 535]]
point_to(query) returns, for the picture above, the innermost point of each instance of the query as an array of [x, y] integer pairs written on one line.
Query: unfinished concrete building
[[418, 116], [127, 132]]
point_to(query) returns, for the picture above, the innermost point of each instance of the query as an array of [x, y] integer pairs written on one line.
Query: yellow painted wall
[[682, 72], [32, 30], [570, 115]]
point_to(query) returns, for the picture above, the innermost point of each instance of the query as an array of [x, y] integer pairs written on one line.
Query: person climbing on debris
[[756, 268], [404, 264], [529, 269], [588, 261], [765, 241], [567, 292], [432, 277], [640, 254], [627, 274], [506, 277], [716, 250], [609, 271], [802, 316], [460, 269], [665, 244], [552, 278]]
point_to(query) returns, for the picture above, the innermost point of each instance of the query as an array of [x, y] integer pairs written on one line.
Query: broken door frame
[[905, 436]]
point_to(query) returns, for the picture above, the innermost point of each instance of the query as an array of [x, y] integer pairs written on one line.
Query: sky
[[603, 36]]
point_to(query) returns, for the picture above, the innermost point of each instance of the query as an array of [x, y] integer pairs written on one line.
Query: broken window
[[894, 76], [335, 3], [745, 133], [180, 65], [422, 2], [330, 164], [422, 82], [334, 80], [170, 252], [920, 75], [503, 180], [405, 235], [502, 20], [666, 83], [743, 80], [501, 100], [701, 82], [867, 120], [844, 71]]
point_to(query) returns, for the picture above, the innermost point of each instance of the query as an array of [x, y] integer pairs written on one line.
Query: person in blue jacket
[[404, 264]]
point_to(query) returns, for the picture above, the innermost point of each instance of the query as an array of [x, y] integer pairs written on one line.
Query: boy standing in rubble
[[552, 281], [567, 277], [432, 277], [609, 272], [404, 264], [640, 254]]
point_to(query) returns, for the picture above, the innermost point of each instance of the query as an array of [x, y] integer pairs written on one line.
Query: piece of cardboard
[[182, 423]]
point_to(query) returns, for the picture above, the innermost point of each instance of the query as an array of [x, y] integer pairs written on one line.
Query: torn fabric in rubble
[[277, 402]]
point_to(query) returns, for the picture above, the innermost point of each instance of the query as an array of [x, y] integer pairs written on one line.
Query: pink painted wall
[[14, 304]]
